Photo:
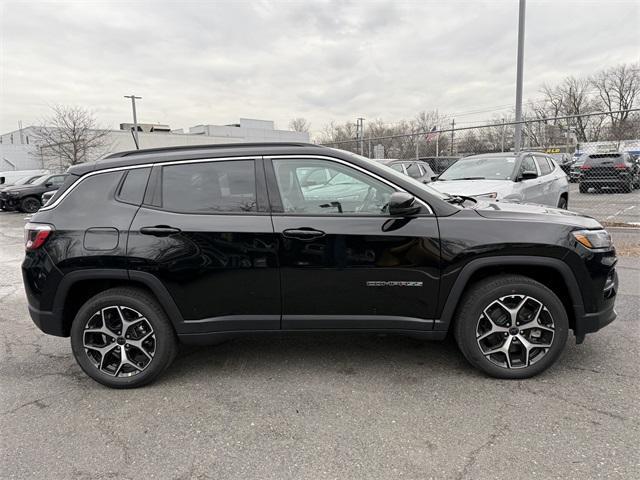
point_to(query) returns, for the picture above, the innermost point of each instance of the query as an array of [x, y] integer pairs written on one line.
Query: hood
[[21, 188], [473, 187], [534, 212]]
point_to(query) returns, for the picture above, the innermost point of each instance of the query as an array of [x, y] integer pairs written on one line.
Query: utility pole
[[417, 147], [360, 134], [519, 76], [135, 118], [453, 127], [504, 128]]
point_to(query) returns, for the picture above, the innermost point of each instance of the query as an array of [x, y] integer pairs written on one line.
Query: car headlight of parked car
[[593, 238], [13, 193], [487, 195]]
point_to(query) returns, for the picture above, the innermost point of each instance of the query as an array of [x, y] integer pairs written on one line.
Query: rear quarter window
[[68, 181], [91, 194], [133, 186]]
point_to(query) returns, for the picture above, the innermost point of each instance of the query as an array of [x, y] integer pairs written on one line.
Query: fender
[[147, 279], [474, 265]]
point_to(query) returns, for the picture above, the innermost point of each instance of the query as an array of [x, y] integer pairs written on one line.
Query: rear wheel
[[511, 326], [627, 187], [30, 205], [122, 338]]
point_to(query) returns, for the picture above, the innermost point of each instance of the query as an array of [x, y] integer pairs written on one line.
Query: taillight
[[585, 167], [620, 166], [35, 235]]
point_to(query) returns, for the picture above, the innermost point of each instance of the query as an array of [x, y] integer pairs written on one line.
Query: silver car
[[517, 177]]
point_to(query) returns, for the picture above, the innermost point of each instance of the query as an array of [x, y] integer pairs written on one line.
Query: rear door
[[345, 263], [547, 195], [204, 231]]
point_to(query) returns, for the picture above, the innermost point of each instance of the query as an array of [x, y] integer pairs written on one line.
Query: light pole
[[519, 76], [135, 118]]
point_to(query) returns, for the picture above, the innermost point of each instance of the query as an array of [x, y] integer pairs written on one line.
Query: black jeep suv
[[196, 244], [28, 198]]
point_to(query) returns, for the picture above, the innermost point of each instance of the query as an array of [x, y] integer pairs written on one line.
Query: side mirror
[[403, 204], [528, 175], [48, 184]]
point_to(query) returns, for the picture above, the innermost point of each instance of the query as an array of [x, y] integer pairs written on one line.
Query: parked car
[[517, 177], [574, 171], [9, 177], [614, 171], [46, 196], [564, 161], [147, 248], [27, 198], [416, 169]]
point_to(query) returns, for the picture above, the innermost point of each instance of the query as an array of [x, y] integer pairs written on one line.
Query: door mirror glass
[[403, 204]]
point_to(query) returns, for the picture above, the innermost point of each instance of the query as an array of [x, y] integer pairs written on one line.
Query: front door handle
[[159, 230], [303, 233]]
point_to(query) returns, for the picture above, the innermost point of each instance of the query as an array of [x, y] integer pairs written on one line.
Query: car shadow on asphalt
[[319, 354]]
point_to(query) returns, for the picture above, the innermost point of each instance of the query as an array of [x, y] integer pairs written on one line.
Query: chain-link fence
[[598, 152]]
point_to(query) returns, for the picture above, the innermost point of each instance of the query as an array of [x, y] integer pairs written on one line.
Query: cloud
[[213, 62]]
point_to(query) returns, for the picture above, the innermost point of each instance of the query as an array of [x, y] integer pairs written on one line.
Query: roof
[[190, 152]]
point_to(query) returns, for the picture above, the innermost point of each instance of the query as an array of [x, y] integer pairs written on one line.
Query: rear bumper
[[47, 322]]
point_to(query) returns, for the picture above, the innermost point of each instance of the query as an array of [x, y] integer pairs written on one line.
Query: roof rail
[[126, 153]]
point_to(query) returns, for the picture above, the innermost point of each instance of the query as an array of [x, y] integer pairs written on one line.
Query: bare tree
[[299, 124], [618, 89], [70, 135]]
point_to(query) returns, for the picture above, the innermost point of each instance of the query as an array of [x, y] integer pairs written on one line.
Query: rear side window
[[543, 164], [91, 195], [413, 170], [210, 187], [133, 186]]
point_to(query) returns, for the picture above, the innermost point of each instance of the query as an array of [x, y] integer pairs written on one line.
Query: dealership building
[[19, 149]]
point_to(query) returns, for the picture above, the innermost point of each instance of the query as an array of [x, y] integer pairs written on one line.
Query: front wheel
[[511, 326], [562, 203], [122, 338], [30, 205]]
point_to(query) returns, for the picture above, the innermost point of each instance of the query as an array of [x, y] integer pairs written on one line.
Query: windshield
[[481, 168], [26, 180], [40, 180], [394, 174]]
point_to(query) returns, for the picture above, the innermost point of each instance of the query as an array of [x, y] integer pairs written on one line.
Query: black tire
[[562, 203], [470, 315], [30, 204], [627, 187], [163, 338], [583, 188]]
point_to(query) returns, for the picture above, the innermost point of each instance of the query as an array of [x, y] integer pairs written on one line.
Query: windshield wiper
[[469, 178]]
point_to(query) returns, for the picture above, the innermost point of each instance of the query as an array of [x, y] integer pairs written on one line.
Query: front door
[[206, 234], [531, 188], [344, 262]]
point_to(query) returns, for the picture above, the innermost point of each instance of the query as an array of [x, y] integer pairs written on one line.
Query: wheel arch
[[543, 269], [78, 287]]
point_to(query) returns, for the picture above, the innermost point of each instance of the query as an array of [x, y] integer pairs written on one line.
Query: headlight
[[488, 195], [593, 238], [13, 192]]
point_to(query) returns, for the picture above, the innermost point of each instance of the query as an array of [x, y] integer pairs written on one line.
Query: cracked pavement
[[318, 406]]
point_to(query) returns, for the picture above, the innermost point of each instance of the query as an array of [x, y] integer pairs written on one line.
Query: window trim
[[272, 186], [123, 179], [142, 165]]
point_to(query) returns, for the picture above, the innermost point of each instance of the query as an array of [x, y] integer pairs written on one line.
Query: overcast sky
[[214, 62]]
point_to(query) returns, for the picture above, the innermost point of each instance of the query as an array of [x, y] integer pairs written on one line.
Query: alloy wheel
[[515, 331], [119, 341], [31, 205]]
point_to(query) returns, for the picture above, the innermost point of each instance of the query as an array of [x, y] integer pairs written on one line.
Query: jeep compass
[[145, 249]]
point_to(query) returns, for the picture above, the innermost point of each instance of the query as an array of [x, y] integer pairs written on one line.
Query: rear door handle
[[303, 233], [159, 230]]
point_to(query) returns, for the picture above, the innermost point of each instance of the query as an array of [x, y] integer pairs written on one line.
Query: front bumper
[[8, 203], [592, 322]]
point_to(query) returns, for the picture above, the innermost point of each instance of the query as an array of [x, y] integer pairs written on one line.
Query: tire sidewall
[[164, 338], [24, 201], [541, 293]]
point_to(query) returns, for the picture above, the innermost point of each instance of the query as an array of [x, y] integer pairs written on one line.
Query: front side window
[[528, 165], [343, 190], [210, 187]]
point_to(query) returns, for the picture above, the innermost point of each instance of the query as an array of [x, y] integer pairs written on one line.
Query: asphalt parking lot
[[610, 208], [319, 406]]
